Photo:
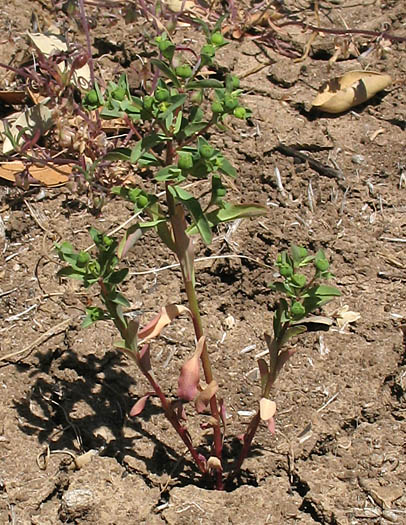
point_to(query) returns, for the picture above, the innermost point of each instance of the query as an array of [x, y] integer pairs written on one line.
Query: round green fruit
[[148, 102], [83, 259], [208, 50], [230, 102], [217, 39], [322, 264], [161, 94], [297, 309], [299, 279], [92, 98], [142, 201], [184, 71], [217, 107], [119, 94], [240, 112], [185, 161], [286, 270], [206, 151]]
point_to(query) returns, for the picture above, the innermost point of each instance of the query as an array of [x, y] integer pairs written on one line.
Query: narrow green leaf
[[176, 102], [167, 71], [71, 273], [205, 83], [196, 211], [118, 154], [194, 127], [325, 289], [227, 168], [118, 276]]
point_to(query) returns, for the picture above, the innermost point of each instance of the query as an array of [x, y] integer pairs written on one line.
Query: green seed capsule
[[217, 107], [240, 112], [286, 270], [161, 94], [206, 151], [299, 279], [119, 94], [208, 50], [142, 201], [217, 39], [83, 259], [321, 264], [230, 102], [92, 98], [185, 161], [297, 309], [184, 71], [148, 102]]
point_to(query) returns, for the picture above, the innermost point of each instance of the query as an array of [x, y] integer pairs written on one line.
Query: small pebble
[[357, 159]]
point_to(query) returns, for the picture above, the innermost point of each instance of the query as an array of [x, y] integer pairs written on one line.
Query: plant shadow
[[81, 402]]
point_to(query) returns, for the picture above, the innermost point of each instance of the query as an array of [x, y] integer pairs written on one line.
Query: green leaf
[[176, 102], [292, 331], [118, 298], [169, 173], [236, 211], [326, 290], [178, 122], [194, 127], [118, 276], [136, 152], [118, 154], [205, 83], [196, 211], [109, 114], [227, 168], [167, 71], [71, 273], [148, 159]]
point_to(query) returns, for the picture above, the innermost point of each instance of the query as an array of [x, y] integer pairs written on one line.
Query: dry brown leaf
[[355, 87], [12, 97], [49, 44], [38, 117], [267, 409], [203, 398], [45, 175], [166, 316], [345, 316]]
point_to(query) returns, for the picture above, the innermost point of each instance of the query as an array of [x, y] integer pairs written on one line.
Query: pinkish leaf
[[263, 372], [283, 357], [223, 413], [267, 409], [203, 397], [271, 425], [166, 316], [140, 404], [188, 381], [184, 243], [144, 359]]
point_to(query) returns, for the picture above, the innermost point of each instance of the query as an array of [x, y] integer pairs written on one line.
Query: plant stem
[[208, 375], [173, 419]]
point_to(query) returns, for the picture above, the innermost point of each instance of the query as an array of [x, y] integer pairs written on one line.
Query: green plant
[[171, 123], [302, 295]]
